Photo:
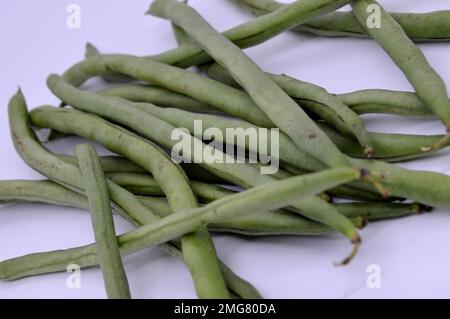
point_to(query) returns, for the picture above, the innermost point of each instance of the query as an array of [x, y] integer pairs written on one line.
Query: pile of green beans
[[324, 152]]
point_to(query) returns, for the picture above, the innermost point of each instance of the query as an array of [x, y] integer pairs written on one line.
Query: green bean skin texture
[[240, 174], [156, 95], [291, 119], [40, 159], [175, 225], [431, 26], [255, 31], [331, 109], [428, 84], [385, 102], [114, 276]]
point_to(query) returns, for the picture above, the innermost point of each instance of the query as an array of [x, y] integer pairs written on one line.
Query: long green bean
[[67, 174], [430, 26], [180, 223], [385, 102], [267, 94], [114, 276], [428, 84]]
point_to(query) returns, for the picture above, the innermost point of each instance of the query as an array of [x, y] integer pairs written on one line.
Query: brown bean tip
[[356, 243], [368, 151]]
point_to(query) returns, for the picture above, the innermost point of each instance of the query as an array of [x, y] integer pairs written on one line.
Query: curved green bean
[[114, 276], [428, 84], [430, 26], [269, 97]]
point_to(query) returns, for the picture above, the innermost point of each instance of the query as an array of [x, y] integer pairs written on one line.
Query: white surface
[[412, 252]]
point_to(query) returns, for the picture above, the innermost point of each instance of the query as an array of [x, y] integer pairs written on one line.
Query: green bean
[[285, 220], [381, 211], [40, 191], [370, 210], [240, 174], [389, 147], [428, 84], [268, 196], [384, 101], [114, 276], [264, 223], [156, 95], [291, 119], [328, 106], [431, 26], [67, 174]]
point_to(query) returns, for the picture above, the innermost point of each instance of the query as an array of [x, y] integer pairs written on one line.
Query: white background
[[412, 252]]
